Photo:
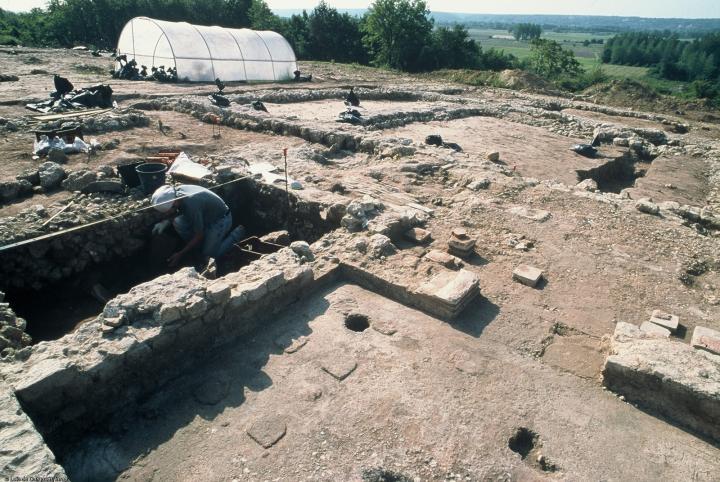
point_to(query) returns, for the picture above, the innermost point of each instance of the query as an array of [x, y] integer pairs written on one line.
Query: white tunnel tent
[[202, 54]]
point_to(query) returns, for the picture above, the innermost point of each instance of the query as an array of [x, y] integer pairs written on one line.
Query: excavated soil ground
[[435, 401], [530, 151], [431, 401]]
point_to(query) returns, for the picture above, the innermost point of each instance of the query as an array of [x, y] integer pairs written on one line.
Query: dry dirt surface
[[511, 390]]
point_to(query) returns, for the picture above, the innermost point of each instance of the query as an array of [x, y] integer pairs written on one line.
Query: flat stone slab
[[530, 213], [653, 329], [706, 339], [211, 391], [384, 327], [451, 287], [667, 377], [419, 235], [445, 259], [267, 431], [527, 275], [666, 320], [339, 367]]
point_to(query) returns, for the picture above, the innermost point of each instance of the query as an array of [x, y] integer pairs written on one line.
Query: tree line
[[399, 34], [671, 58], [526, 31]]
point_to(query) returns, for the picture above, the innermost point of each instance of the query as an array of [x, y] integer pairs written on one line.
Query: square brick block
[[666, 320], [706, 339], [527, 275]]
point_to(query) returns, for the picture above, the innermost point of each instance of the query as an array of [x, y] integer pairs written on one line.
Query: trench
[[59, 308], [617, 174]]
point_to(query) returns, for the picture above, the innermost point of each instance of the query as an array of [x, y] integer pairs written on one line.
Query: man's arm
[[175, 258]]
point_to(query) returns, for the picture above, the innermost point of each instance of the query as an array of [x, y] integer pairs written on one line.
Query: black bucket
[[152, 175], [128, 173]]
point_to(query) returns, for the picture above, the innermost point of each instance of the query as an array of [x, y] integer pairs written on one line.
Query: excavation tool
[[287, 192]]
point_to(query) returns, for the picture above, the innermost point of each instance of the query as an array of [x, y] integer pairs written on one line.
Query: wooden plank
[[69, 115]]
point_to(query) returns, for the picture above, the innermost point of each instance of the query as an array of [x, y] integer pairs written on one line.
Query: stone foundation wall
[[47, 261], [143, 339], [666, 377], [12, 331]]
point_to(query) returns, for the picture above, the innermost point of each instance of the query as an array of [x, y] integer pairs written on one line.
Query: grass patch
[[467, 77]]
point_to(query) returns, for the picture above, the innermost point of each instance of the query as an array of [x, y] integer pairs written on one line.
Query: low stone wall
[[23, 453], [111, 121], [666, 377], [142, 340], [145, 338], [12, 332], [529, 112], [50, 260]]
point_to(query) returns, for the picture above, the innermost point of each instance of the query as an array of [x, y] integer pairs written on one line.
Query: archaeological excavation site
[[446, 282]]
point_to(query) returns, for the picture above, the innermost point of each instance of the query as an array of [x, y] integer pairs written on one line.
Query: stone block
[[267, 431], [462, 244], [252, 291], [653, 329], [706, 339], [538, 215], [168, 313], [666, 320], [669, 378], [195, 307], [43, 378], [527, 275], [384, 327], [238, 297], [275, 280], [646, 206], [302, 249], [479, 184], [218, 292], [300, 275], [418, 235], [448, 293], [23, 453], [445, 259]]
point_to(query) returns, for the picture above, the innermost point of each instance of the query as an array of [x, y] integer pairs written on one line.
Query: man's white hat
[[163, 197]]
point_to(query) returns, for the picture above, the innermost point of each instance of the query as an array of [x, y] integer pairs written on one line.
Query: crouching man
[[200, 217]]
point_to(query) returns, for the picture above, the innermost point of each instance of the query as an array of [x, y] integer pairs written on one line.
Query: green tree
[[332, 36], [451, 49], [526, 31], [548, 59], [297, 34], [396, 32], [262, 18]]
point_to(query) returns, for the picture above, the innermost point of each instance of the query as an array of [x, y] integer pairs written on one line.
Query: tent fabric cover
[[202, 54]]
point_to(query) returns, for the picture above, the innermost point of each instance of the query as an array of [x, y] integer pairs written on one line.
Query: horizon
[[688, 9]]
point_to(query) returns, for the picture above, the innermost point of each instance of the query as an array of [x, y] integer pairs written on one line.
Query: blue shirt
[[201, 207]]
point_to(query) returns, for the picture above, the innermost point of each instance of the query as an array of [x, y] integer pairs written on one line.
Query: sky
[[638, 8]]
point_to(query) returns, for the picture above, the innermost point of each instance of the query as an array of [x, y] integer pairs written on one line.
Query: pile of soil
[[521, 80], [624, 91]]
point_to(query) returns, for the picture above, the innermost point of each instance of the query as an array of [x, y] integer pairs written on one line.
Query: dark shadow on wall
[[211, 387]]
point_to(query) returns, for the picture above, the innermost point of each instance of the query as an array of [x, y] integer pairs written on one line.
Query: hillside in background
[[585, 23]]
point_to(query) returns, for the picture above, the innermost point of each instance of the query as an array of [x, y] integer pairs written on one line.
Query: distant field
[[625, 71], [588, 56], [570, 40]]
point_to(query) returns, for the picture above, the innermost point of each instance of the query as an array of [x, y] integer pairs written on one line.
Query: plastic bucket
[[152, 175], [128, 173]]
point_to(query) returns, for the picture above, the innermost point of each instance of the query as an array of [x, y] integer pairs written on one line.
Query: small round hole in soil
[[357, 322], [523, 441], [382, 475]]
